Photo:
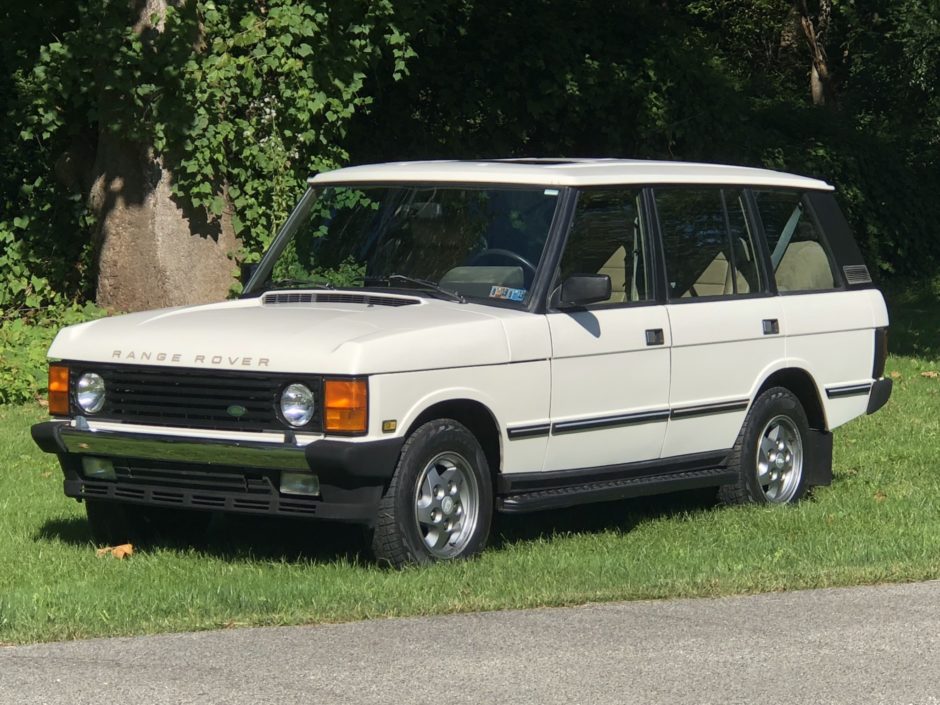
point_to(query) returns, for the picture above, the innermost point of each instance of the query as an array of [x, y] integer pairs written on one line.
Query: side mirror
[[247, 272], [584, 289]]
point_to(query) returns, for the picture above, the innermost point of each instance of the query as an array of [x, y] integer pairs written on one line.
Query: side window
[[797, 254], [707, 246], [608, 236]]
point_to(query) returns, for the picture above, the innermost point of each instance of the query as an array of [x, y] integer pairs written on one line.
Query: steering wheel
[[505, 254]]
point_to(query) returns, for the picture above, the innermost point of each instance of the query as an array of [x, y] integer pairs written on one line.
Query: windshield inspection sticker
[[504, 292]]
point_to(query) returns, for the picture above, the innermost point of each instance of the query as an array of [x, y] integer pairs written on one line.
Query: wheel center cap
[[447, 505], [780, 461]]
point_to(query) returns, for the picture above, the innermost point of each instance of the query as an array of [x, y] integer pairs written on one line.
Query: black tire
[[417, 523], [768, 473], [108, 522]]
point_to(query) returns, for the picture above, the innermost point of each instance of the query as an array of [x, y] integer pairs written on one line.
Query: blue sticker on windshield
[[504, 292]]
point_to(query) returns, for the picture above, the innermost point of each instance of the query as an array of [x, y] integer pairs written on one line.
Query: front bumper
[[221, 474]]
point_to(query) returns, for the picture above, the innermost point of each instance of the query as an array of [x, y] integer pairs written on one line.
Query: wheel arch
[[476, 416], [801, 383]]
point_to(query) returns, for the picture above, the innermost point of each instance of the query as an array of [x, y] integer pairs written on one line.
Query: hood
[[352, 334]]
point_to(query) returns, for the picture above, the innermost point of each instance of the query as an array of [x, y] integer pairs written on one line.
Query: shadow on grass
[[618, 516], [245, 538], [239, 538], [72, 531], [914, 310]]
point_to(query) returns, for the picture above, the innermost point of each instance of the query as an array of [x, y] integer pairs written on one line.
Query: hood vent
[[321, 297]]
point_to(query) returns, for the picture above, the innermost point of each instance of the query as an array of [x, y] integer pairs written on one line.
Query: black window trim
[[837, 274], [654, 283], [755, 230], [657, 277], [534, 303]]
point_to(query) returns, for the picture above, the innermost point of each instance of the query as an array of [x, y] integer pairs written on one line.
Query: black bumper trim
[[335, 460], [265, 504], [46, 437], [880, 393]]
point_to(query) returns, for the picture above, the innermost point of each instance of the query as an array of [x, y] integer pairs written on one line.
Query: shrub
[[24, 341]]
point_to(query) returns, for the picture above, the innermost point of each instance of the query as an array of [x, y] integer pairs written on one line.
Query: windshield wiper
[[296, 283], [423, 283]]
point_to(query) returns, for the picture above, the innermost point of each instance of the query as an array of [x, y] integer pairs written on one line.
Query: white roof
[[566, 172]]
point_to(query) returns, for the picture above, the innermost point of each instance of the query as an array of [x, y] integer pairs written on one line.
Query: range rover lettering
[[427, 343]]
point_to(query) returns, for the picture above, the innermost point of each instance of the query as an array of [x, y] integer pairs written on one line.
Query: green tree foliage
[[536, 77], [718, 80], [243, 99]]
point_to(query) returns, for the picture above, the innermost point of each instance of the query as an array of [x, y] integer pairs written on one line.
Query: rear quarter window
[[799, 254]]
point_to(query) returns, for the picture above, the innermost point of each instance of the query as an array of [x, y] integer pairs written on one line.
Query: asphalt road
[[854, 646]]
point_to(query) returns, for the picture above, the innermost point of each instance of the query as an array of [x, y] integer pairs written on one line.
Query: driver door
[[610, 361]]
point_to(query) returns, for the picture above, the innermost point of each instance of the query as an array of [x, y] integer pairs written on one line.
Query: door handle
[[654, 336], [771, 326]]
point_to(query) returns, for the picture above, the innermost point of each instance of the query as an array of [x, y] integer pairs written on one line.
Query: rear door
[[727, 328], [830, 332]]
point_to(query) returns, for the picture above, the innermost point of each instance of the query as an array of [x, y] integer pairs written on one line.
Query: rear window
[[799, 255]]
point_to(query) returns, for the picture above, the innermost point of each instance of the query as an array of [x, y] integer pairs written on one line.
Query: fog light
[[299, 483], [98, 469]]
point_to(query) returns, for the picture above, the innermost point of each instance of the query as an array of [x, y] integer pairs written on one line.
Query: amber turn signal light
[[345, 405], [58, 390]]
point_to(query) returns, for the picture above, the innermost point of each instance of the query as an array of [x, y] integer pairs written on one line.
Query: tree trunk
[[820, 80], [152, 254]]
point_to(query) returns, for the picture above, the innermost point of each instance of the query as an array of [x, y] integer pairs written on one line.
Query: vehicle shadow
[[241, 538], [238, 538], [617, 516]]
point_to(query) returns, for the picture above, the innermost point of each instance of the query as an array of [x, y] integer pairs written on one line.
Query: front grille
[[207, 399]]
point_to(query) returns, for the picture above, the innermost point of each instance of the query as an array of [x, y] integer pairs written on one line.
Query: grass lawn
[[879, 522]]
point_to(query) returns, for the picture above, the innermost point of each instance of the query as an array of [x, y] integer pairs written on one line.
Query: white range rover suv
[[426, 343]]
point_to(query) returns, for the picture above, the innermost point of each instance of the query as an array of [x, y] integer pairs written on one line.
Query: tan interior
[[804, 267], [616, 268], [716, 280]]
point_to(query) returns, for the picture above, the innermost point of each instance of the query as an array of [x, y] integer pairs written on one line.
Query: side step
[[606, 490]]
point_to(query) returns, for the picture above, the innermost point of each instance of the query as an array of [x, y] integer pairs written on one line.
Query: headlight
[[89, 392], [297, 404]]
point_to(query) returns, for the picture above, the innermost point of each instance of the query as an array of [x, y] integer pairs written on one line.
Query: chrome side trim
[[204, 450], [533, 431], [591, 424], [686, 412], [848, 390]]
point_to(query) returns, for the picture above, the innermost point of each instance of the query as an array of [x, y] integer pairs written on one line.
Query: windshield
[[451, 241]]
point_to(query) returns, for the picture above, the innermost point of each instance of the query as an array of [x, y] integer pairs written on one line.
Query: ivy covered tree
[[181, 132]]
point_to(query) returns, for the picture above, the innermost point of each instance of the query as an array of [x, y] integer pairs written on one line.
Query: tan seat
[[804, 267], [715, 280], [616, 268]]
